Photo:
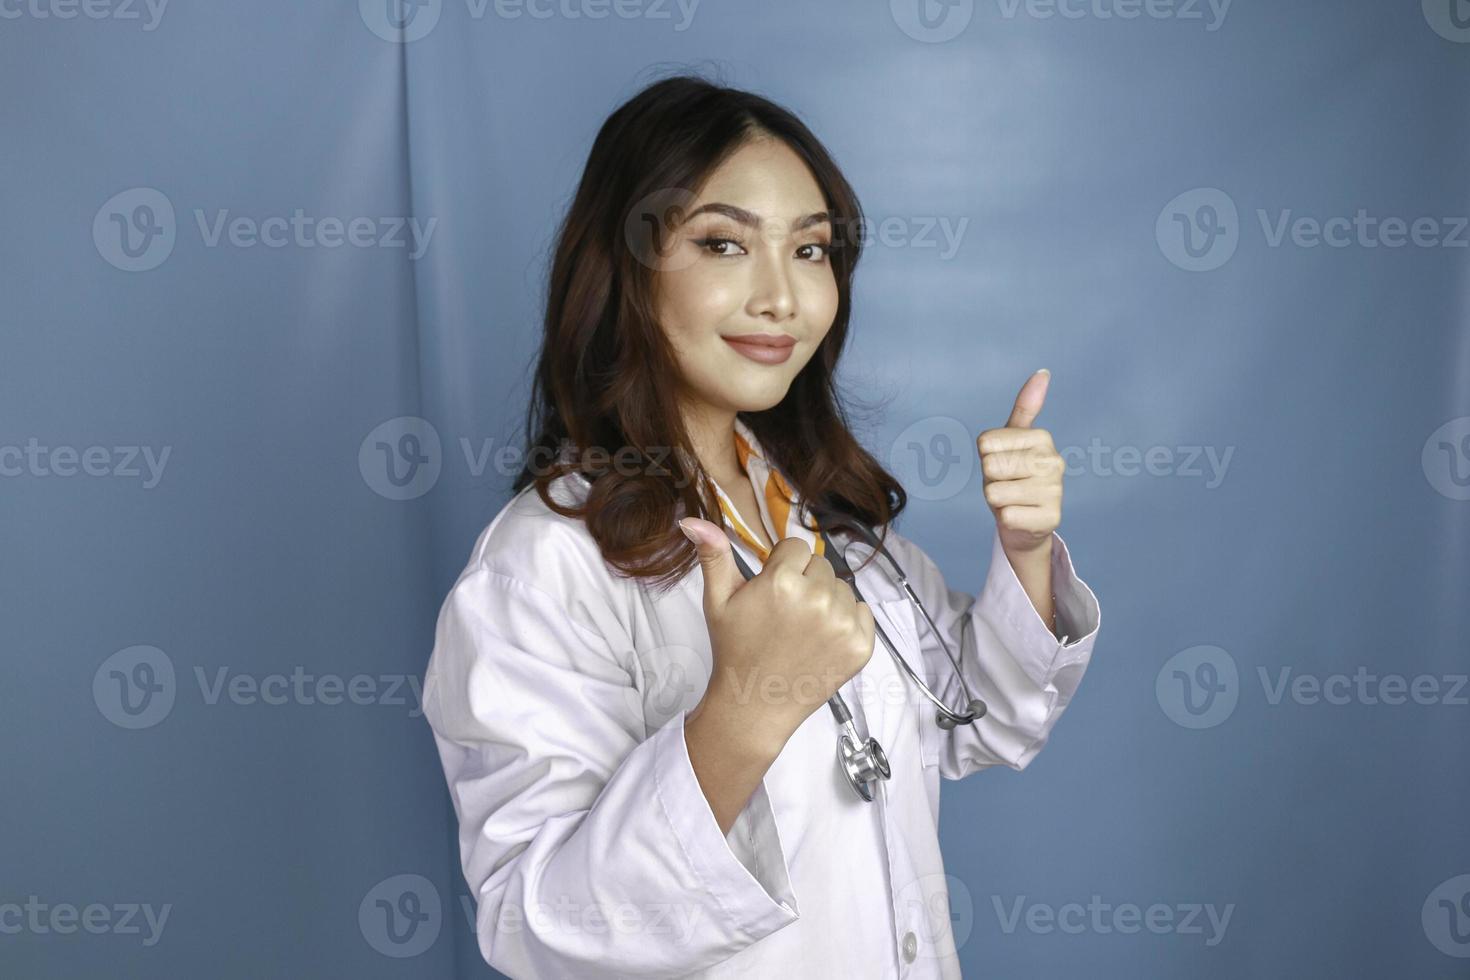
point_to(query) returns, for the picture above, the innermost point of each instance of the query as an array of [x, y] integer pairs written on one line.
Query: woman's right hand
[[784, 641]]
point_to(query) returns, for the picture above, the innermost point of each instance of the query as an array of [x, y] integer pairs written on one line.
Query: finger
[[1020, 464], [1037, 520], [1029, 401], [790, 555], [1011, 440], [1029, 492], [721, 575], [820, 567]]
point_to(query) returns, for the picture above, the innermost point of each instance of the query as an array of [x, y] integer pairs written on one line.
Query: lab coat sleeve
[[1010, 659], [587, 841]]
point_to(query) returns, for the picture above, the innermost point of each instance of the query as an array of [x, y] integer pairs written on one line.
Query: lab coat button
[[910, 947]]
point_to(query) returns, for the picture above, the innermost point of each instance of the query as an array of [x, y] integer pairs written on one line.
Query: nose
[[772, 293]]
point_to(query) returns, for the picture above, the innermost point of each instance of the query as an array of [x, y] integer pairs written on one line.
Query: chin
[[758, 399]]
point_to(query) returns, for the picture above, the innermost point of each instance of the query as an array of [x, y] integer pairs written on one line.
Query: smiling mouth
[[763, 348]]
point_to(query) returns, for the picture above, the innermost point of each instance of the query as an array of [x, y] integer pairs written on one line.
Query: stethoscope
[[863, 762]]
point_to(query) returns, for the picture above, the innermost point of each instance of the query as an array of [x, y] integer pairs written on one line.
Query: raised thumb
[[721, 575]]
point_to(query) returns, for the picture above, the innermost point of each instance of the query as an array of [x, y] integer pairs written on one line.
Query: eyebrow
[[752, 220]]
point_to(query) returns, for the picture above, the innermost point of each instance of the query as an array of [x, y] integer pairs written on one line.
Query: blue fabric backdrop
[[271, 280]]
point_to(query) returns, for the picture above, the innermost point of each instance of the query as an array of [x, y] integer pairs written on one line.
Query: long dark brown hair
[[601, 401]]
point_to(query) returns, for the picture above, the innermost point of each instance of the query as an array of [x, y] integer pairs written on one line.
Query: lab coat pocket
[[898, 618]]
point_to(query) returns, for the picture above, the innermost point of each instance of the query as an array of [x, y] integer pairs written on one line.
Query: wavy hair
[[600, 402]]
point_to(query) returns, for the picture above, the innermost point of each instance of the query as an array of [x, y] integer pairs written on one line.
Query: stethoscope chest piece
[[864, 764]]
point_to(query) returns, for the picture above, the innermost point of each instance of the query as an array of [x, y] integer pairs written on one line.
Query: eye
[[823, 246], [715, 243]]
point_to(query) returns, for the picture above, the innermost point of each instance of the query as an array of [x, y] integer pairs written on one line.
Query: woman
[[632, 732]]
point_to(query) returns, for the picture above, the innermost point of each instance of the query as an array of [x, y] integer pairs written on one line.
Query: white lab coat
[[557, 691]]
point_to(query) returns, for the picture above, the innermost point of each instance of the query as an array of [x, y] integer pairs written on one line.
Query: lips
[[762, 339], [763, 348]]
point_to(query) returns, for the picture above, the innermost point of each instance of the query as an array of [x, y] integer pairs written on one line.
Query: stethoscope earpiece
[[976, 712]]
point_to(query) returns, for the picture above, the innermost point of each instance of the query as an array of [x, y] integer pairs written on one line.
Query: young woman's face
[[750, 257]]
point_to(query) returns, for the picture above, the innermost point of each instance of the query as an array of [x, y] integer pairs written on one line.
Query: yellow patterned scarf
[[780, 510]]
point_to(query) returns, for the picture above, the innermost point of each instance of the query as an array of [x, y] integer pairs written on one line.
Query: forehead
[[767, 177]]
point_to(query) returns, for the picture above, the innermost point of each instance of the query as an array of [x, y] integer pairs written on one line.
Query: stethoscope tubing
[[947, 717]]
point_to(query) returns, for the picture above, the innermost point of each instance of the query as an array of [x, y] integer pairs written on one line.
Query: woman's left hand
[[1023, 476]]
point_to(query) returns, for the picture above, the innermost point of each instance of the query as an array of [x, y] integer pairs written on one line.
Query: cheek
[[693, 305], [820, 301]]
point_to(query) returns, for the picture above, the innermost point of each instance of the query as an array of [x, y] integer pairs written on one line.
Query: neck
[[712, 432]]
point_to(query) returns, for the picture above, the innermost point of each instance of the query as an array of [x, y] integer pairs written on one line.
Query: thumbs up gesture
[[781, 643], [1023, 475]]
